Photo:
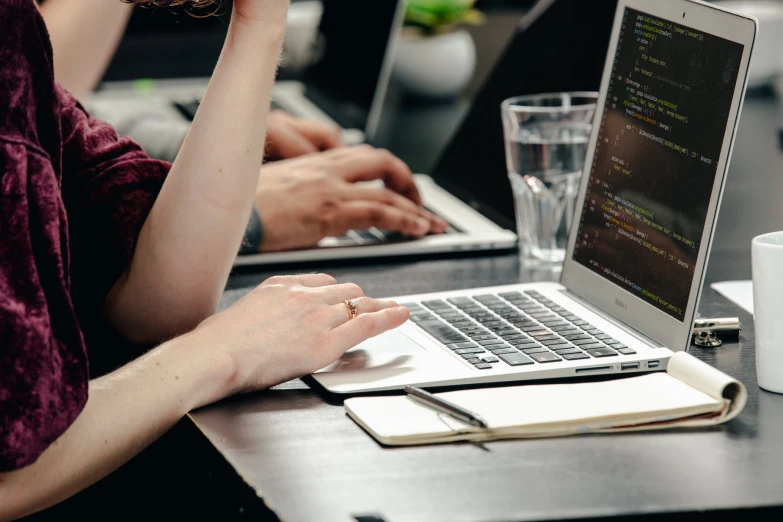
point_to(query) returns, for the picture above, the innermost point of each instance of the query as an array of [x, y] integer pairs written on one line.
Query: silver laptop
[[345, 86], [670, 98], [468, 185]]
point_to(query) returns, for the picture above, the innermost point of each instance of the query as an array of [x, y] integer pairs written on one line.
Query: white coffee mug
[[767, 252]]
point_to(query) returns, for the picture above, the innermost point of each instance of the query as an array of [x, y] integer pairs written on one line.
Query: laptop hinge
[[609, 317]]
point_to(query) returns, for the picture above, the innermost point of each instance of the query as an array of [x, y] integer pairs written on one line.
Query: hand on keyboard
[[303, 200]]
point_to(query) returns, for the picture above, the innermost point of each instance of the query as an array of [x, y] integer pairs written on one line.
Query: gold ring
[[351, 305]]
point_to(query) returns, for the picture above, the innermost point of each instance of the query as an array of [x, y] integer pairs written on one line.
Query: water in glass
[[545, 168]]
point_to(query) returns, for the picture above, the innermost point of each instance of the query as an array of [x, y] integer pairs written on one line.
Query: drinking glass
[[546, 139]]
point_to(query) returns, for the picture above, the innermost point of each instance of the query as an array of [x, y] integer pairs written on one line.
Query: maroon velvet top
[[73, 198]]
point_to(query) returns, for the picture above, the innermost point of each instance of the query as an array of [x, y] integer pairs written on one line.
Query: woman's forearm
[[188, 243], [126, 411], [85, 35]]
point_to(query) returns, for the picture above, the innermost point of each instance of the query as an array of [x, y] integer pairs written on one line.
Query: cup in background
[[767, 255], [546, 137]]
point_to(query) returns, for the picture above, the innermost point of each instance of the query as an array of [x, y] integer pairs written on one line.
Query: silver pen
[[443, 406]]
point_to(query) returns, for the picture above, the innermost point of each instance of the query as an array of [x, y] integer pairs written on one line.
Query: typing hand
[[303, 200], [291, 326], [289, 137]]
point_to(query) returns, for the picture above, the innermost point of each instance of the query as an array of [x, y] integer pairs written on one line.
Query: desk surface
[[309, 461]]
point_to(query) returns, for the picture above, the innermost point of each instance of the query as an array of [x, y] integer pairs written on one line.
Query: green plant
[[435, 16]]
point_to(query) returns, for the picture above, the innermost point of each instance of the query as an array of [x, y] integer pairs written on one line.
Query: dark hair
[[198, 8], [191, 4]]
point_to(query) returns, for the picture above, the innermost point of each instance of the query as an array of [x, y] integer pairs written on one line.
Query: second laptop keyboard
[[513, 328]]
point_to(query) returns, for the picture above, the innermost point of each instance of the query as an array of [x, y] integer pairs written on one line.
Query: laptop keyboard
[[375, 236], [512, 328]]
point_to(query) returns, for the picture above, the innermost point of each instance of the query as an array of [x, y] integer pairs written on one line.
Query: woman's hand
[[303, 200], [291, 326], [288, 136]]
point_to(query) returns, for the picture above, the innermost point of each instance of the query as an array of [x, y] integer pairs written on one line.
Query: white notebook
[[689, 394]]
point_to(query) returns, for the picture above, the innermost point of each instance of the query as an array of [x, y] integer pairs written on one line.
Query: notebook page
[[710, 380], [589, 403], [548, 409]]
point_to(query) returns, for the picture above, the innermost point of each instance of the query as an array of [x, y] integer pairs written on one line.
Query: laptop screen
[[655, 161], [353, 41], [560, 45]]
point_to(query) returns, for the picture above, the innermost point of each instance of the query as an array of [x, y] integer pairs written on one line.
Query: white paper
[[653, 401], [740, 292]]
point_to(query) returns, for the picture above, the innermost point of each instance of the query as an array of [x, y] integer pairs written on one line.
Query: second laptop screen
[[654, 167], [353, 43]]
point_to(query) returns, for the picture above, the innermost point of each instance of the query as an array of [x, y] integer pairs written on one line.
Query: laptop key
[[515, 337], [501, 351], [539, 349], [539, 333], [451, 315], [417, 318], [490, 359], [545, 357], [491, 342], [617, 345], [475, 349], [567, 351], [556, 347], [592, 346], [483, 366], [580, 342], [467, 356], [482, 337], [462, 346], [579, 337], [461, 301], [604, 337], [602, 352], [515, 359], [522, 346], [473, 360], [436, 305], [594, 331], [486, 297], [575, 356], [442, 332], [626, 351], [508, 295]]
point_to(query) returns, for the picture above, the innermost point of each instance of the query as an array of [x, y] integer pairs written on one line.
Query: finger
[[388, 197], [308, 280], [338, 293], [366, 326], [368, 164], [364, 305], [322, 136], [366, 214], [284, 142]]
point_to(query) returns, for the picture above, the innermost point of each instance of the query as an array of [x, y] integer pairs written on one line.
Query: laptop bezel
[[375, 109], [620, 303]]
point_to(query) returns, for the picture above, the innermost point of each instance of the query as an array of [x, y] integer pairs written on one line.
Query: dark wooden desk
[[310, 462]]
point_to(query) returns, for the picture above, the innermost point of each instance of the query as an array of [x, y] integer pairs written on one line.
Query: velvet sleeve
[[109, 186]]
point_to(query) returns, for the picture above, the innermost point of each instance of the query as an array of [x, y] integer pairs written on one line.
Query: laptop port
[[594, 369], [629, 366], [653, 364]]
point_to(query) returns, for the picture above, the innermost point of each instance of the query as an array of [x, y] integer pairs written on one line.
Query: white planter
[[435, 66]]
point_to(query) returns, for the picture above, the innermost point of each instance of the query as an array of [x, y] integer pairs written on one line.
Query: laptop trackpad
[[392, 349]]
